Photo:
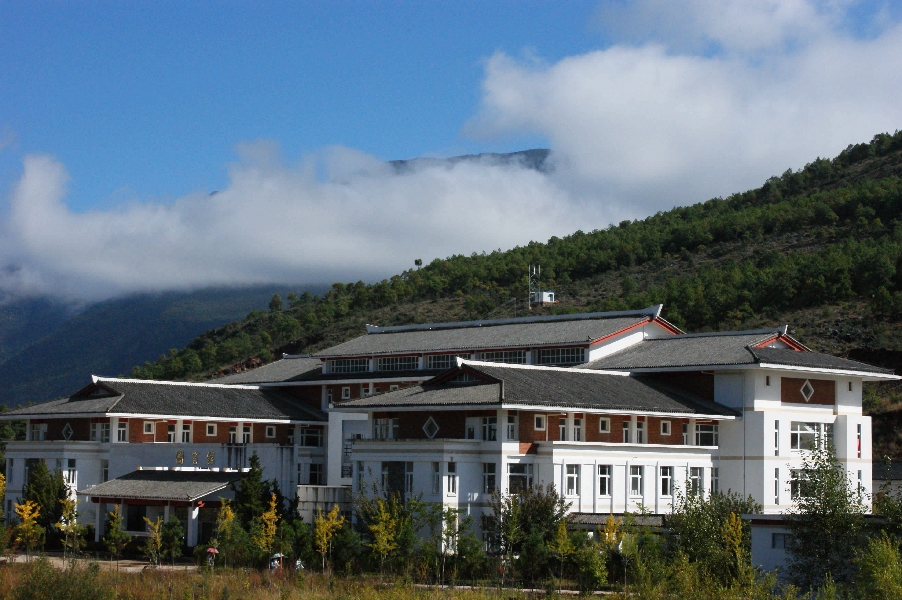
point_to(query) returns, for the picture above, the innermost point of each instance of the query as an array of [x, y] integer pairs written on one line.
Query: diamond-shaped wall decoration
[[67, 431], [807, 390], [431, 428]]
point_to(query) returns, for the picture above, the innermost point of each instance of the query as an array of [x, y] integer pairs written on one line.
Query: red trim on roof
[[785, 339], [668, 326], [624, 330]]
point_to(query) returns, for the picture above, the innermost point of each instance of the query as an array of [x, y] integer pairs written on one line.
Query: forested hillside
[[820, 248]]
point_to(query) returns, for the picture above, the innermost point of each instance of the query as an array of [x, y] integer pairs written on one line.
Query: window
[[471, 432], [122, 431], [519, 477], [186, 433], [640, 432], [71, 472], [665, 427], [246, 434], [637, 486], [780, 541], [488, 477], [561, 356], [776, 438], [516, 357], [270, 431], [68, 431], [573, 480], [360, 471], [345, 393], [348, 365], [311, 437], [685, 434], [776, 486], [562, 429], [211, 429], [104, 471], [436, 477], [798, 483], [366, 391], [715, 480], [604, 425], [398, 363], [39, 432], [858, 437], [443, 361], [490, 429], [233, 435], [695, 481], [706, 435], [539, 423], [806, 436], [386, 429], [329, 396], [316, 474], [392, 388], [626, 432], [767, 380], [170, 433], [667, 481], [148, 428], [577, 430], [408, 478], [850, 386], [512, 429], [604, 480], [452, 478]]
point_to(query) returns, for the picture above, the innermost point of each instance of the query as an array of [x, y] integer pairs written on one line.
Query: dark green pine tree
[[46, 488], [249, 503]]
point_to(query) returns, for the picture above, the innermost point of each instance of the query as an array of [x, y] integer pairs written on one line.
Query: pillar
[[193, 513], [97, 521]]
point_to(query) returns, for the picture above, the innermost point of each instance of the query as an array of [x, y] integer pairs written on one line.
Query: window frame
[[211, 429], [666, 428], [604, 425], [122, 431], [666, 476], [544, 422], [605, 480], [489, 477], [151, 426], [637, 474], [270, 432], [572, 481]]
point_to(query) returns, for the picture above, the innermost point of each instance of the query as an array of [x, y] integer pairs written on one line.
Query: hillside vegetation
[[820, 247]]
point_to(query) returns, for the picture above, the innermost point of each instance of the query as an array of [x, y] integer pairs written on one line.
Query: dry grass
[[82, 581]]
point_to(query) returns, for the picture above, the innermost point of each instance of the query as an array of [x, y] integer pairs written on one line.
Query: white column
[[97, 521], [166, 513], [690, 438], [193, 512]]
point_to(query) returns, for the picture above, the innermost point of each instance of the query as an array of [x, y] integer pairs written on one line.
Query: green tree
[[172, 538], [880, 569], [561, 545], [275, 305], [697, 525], [826, 519], [250, 493], [46, 488], [116, 539]]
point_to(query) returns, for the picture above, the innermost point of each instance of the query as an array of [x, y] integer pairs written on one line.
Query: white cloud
[[273, 223], [644, 128]]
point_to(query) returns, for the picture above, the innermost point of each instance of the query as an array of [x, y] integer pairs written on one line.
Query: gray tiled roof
[[288, 368], [514, 335], [164, 485], [153, 398], [551, 388], [815, 360], [700, 350]]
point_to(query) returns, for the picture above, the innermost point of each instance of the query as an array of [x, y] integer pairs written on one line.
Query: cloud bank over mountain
[[684, 105]]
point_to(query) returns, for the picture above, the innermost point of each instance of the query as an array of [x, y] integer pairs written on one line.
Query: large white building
[[617, 410]]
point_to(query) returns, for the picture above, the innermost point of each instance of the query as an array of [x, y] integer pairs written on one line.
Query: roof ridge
[[775, 330], [650, 311], [247, 386], [482, 363]]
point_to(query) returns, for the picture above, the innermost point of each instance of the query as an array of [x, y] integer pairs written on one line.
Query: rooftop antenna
[[535, 290]]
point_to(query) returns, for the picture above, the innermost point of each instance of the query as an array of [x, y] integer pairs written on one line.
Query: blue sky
[[148, 99], [117, 120]]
